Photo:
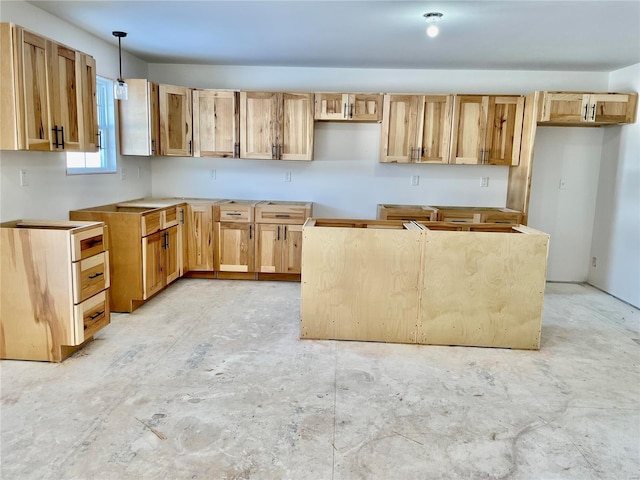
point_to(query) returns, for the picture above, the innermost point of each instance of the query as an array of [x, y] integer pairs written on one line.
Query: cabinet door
[[365, 107], [200, 226], [172, 257], [183, 240], [331, 106], [434, 129], [295, 127], [504, 130], [258, 117], [269, 248], [90, 132], [34, 87], [561, 107], [215, 124], [66, 98], [153, 258], [234, 247], [399, 121], [292, 249], [139, 118], [175, 121], [469, 129], [611, 108]]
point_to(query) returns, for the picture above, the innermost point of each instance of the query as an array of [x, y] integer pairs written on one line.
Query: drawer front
[[171, 218], [235, 214], [90, 276], [91, 316], [288, 215], [87, 243], [457, 216], [151, 223], [502, 217]]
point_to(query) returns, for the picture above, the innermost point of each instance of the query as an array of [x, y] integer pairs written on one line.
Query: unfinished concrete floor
[[210, 381]]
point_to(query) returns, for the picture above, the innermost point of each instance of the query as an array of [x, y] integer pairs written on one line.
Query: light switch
[[287, 176], [415, 180], [484, 181], [24, 178]]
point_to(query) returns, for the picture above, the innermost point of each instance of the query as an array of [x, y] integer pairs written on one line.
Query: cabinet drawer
[[502, 217], [235, 213], [151, 223], [456, 216], [87, 243], [170, 217], [91, 316], [272, 212], [90, 276]]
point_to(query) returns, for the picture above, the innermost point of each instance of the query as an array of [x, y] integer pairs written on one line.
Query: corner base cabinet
[[54, 287]]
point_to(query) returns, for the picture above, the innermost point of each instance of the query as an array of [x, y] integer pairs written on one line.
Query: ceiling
[[586, 35]]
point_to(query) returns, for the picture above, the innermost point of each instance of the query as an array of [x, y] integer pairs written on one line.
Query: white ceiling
[[585, 35]]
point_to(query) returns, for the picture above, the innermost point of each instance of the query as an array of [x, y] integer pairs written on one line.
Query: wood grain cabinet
[[55, 280], [146, 243], [416, 128], [215, 124], [200, 237], [139, 119], [235, 236], [279, 236], [580, 108], [175, 121], [486, 129], [276, 125], [354, 107], [46, 102]]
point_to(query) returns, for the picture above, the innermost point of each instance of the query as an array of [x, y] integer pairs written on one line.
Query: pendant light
[[120, 89], [432, 19]]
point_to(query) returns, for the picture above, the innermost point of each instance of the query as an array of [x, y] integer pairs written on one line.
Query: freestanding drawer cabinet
[[54, 287], [432, 283]]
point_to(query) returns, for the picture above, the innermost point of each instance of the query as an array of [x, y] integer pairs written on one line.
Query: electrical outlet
[[212, 174], [563, 184], [484, 181], [24, 178], [593, 262], [123, 173], [415, 180], [287, 176]]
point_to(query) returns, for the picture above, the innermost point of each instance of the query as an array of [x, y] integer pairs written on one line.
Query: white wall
[[616, 231], [345, 179], [51, 193], [571, 155]]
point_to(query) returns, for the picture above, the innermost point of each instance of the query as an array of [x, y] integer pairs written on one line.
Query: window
[[104, 160]]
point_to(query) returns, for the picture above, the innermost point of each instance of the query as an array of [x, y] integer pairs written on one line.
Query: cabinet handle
[[56, 143], [182, 216], [278, 238], [233, 214], [96, 275], [189, 147], [411, 149], [285, 232], [99, 134], [282, 215], [273, 152], [250, 232], [62, 131], [154, 150], [482, 155], [593, 112], [236, 150], [586, 110], [344, 115], [351, 110], [279, 151], [488, 155], [96, 315]]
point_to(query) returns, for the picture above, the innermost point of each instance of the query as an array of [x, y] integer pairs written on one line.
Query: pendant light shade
[[120, 90]]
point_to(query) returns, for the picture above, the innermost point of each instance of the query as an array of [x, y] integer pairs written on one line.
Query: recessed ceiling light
[[432, 19]]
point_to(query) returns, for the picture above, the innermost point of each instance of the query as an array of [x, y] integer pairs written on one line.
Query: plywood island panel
[[423, 282]]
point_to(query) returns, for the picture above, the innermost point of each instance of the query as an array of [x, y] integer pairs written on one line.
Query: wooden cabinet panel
[[139, 118], [565, 107], [215, 124], [153, 253], [504, 130], [200, 248], [234, 247], [67, 98], [90, 133], [258, 124], [331, 106], [295, 120], [399, 123], [173, 257], [36, 84], [362, 107], [151, 222], [269, 248], [292, 249], [469, 129], [434, 128], [175, 121], [365, 107], [90, 276], [91, 316], [612, 108], [582, 108]]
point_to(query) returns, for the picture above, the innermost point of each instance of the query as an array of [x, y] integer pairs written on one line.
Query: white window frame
[[106, 154]]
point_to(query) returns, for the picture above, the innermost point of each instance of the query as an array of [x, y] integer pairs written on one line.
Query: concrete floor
[[210, 381]]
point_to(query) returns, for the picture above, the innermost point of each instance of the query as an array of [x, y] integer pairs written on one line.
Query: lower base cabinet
[[279, 248], [160, 266], [234, 247], [395, 281], [54, 287]]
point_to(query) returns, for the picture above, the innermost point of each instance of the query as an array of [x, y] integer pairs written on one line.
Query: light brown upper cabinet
[[215, 124], [43, 100], [175, 121], [91, 140], [355, 107], [416, 129], [588, 109], [276, 125], [139, 117], [486, 129]]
